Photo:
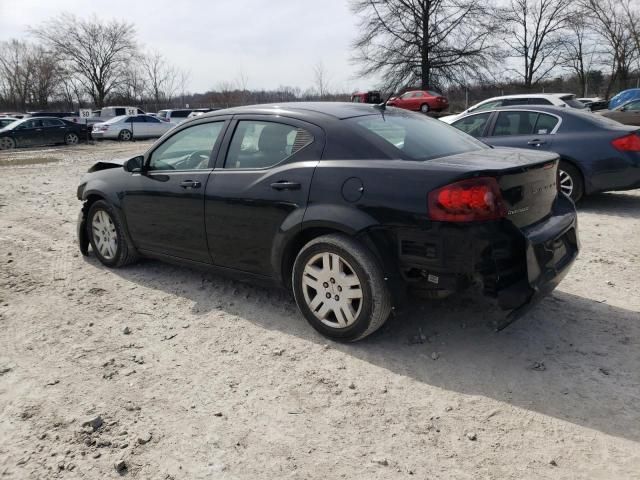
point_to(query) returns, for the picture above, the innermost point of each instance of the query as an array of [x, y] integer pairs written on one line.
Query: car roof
[[338, 110]]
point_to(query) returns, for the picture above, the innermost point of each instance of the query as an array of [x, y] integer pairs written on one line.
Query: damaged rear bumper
[[515, 266]]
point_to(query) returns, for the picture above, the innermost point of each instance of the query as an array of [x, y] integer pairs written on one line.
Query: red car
[[420, 101]]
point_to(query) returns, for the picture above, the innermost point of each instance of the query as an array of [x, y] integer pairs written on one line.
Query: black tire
[[71, 138], [125, 251], [125, 135], [376, 298], [575, 177], [7, 143], [424, 108]]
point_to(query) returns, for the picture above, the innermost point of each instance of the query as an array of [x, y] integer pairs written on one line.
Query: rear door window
[[180, 114], [545, 124], [515, 123], [257, 144], [474, 125]]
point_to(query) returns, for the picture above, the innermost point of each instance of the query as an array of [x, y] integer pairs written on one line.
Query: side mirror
[[134, 165]]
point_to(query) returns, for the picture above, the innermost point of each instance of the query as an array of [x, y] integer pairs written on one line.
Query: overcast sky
[[273, 42]]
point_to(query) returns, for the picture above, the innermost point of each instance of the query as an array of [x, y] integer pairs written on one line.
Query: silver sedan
[[127, 128]]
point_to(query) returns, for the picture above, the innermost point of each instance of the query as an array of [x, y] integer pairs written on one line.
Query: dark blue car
[[596, 154]]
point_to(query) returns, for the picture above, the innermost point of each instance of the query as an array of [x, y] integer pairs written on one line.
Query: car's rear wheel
[[424, 108], [107, 236], [7, 143], [71, 138], [340, 288], [125, 135], [570, 180]]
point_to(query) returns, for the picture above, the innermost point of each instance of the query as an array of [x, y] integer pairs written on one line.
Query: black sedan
[[596, 154], [350, 206], [37, 131]]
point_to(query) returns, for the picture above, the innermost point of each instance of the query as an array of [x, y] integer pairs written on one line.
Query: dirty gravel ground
[[196, 376]]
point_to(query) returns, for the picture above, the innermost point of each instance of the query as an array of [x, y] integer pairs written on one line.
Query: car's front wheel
[[7, 143], [340, 288], [107, 236], [71, 138]]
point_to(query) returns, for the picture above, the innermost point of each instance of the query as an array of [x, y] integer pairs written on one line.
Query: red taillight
[[628, 143], [476, 199]]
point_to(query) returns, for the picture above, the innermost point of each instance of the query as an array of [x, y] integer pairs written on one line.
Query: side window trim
[[214, 151], [316, 132]]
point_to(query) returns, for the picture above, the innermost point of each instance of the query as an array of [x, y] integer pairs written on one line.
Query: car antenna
[[383, 105]]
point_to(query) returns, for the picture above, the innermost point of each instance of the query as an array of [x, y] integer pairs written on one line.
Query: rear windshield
[[418, 137], [163, 113], [180, 113]]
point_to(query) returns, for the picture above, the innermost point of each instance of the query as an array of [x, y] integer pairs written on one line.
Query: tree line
[[448, 44], [73, 61], [467, 49]]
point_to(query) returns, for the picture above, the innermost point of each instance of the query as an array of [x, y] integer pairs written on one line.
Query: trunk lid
[[527, 179]]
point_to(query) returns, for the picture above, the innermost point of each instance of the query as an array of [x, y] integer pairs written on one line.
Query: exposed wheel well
[[91, 199]]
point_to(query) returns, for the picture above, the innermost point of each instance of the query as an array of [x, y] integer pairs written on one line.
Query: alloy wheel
[[71, 139], [6, 143], [125, 135], [105, 235], [566, 183], [332, 290]]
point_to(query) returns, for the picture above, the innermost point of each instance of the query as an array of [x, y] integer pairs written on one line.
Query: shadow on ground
[[572, 358], [618, 204]]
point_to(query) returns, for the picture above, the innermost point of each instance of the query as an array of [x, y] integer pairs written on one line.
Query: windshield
[[574, 103], [418, 137], [13, 124]]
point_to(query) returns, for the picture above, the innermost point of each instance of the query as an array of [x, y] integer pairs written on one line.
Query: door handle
[[536, 142], [285, 185], [190, 184]]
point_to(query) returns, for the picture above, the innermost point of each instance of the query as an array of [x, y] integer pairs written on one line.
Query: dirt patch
[[157, 371]]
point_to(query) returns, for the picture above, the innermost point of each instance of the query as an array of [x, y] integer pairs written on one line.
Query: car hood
[[449, 118], [105, 164]]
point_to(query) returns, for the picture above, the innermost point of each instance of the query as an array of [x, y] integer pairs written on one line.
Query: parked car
[[627, 113], [102, 115], [129, 128], [4, 121], [200, 111], [307, 196], [50, 114], [37, 131], [557, 99], [624, 97], [420, 101], [594, 103], [372, 96], [174, 115], [596, 154]]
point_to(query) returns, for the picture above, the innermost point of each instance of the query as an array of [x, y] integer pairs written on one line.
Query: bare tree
[[160, 77], [433, 42], [578, 49], [534, 35], [17, 70], [615, 29], [321, 80], [98, 53]]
